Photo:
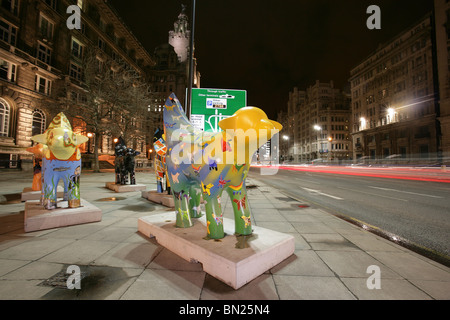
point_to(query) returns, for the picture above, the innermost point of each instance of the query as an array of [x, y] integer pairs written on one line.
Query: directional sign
[[209, 106]]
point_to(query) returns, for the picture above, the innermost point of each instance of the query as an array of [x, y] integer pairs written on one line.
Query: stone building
[[393, 103], [442, 37], [319, 124], [171, 70], [37, 49]]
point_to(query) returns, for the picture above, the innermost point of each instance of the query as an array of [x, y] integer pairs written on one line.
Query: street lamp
[[318, 128], [330, 139], [89, 135]]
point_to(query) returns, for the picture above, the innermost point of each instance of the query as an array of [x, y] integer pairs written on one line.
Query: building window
[[11, 5], [38, 124], [51, 3], [7, 71], [8, 33], [75, 71], [46, 27], [43, 85], [4, 118], [77, 49], [44, 53], [101, 44]]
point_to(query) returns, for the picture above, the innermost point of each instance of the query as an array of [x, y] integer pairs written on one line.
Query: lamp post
[[286, 138], [319, 129], [89, 135], [330, 139]]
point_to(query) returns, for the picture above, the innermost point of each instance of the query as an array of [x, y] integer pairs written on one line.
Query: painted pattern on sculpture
[[196, 166], [61, 161]]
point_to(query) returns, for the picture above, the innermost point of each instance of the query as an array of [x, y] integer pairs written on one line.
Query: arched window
[[38, 124], [4, 117]]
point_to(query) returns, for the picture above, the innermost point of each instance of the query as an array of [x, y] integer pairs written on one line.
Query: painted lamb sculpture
[[61, 161], [202, 163]]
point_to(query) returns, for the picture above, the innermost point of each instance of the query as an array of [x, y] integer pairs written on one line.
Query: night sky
[[269, 47]]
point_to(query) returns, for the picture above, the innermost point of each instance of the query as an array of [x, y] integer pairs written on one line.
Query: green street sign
[[209, 106]]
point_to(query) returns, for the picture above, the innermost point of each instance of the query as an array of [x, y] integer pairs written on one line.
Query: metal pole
[[191, 64]]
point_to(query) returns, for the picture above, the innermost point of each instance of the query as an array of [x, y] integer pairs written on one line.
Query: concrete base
[[119, 188], [38, 218], [161, 198], [29, 194], [223, 259]]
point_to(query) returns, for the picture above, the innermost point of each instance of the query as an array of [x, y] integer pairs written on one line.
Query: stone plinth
[[235, 260], [38, 218], [29, 194], [120, 188], [161, 198]]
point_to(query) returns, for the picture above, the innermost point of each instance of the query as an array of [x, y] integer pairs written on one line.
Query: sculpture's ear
[[228, 123], [40, 138], [80, 139], [277, 125]]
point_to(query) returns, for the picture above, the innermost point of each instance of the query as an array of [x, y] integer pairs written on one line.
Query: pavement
[[333, 259]]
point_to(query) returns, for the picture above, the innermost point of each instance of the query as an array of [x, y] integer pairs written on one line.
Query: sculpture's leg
[[50, 196], [66, 189], [182, 210], [194, 202], [241, 211], [214, 218], [132, 177], [74, 194]]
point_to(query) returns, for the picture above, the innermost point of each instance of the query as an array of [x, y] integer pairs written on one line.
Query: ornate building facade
[[37, 49], [393, 98], [318, 124], [171, 70]]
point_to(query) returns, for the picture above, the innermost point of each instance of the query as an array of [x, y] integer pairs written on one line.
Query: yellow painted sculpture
[[61, 161], [202, 163]]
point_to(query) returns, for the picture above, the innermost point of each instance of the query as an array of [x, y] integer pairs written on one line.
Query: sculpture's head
[[253, 122], [60, 139]]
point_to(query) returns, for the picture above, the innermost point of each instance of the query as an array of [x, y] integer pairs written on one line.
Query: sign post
[[209, 106]]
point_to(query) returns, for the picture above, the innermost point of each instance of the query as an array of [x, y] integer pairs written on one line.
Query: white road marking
[[373, 194], [322, 194], [415, 193]]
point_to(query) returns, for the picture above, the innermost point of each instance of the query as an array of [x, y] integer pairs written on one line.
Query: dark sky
[[269, 47]]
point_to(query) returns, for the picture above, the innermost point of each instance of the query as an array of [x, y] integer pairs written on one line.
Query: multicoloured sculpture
[[125, 163], [61, 161], [38, 151], [201, 163], [160, 148]]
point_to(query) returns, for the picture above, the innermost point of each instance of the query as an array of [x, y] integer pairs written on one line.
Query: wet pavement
[[333, 260]]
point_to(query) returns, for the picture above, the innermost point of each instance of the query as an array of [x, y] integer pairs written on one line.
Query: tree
[[110, 98]]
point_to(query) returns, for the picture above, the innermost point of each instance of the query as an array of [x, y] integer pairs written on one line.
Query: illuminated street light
[[363, 123], [285, 137], [89, 135]]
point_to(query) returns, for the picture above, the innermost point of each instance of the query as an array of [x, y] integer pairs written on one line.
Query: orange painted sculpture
[[38, 151]]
